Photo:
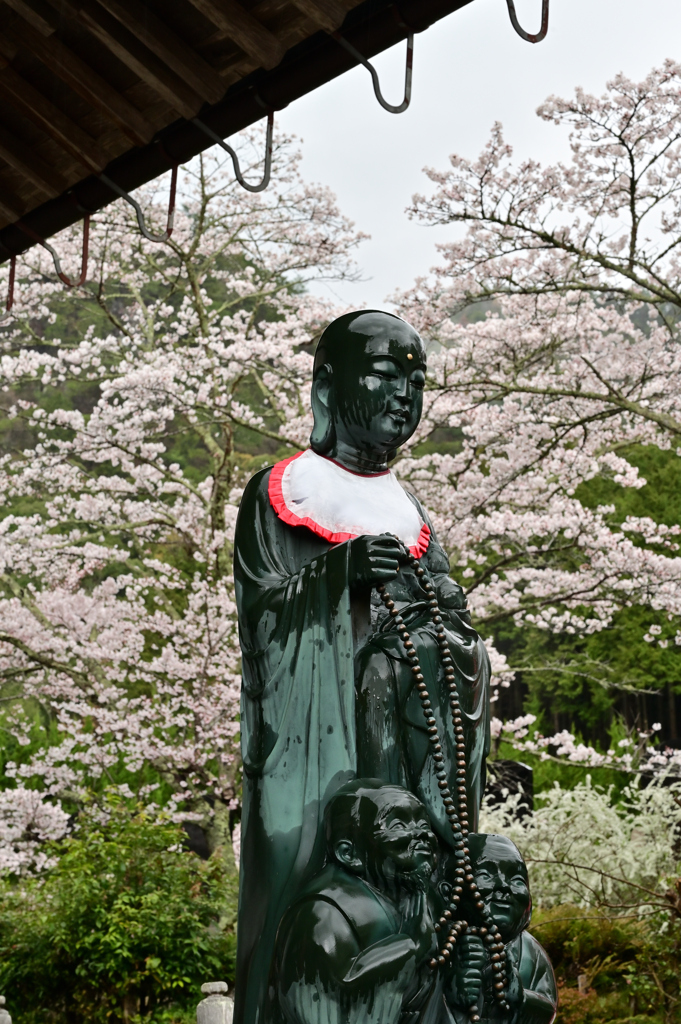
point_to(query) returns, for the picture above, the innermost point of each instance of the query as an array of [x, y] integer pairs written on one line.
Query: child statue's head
[[501, 878], [382, 834]]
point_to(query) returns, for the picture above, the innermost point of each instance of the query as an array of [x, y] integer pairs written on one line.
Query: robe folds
[[297, 720], [302, 637]]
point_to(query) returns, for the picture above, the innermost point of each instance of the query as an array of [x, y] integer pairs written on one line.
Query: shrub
[[596, 847], [127, 922], [630, 968]]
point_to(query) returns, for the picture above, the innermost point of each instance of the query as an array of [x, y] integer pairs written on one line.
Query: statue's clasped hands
[[376, 559], [469, 964]]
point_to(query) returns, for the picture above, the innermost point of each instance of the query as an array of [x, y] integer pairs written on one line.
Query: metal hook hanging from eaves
[[529, 36], [400, 108], [144, 230], [55, 259], [170, 220], [264, 182], [35, 237], [10, 291]]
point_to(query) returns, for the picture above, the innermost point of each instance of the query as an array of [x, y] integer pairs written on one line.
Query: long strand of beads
[[457, 811]]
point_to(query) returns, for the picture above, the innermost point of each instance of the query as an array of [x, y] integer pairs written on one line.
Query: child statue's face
[[391, 843], [501, 878]]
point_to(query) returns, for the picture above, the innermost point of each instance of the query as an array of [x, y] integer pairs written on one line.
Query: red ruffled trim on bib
[[276, 496]]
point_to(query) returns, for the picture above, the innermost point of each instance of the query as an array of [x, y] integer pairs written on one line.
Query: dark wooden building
[[91, 87]]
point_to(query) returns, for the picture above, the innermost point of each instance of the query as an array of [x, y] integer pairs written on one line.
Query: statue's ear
[[323, 436], [346, 855]]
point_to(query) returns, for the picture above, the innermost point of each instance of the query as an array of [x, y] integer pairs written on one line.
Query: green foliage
[[127, 922], [659, 498], [630, 970], [574, 938]]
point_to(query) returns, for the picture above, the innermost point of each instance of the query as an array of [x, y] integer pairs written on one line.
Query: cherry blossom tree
[[555, 310], [133, 414], [135, 411]]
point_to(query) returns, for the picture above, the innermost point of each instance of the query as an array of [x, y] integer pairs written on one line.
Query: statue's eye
[[385, 368], [418, 379], [398, 826]]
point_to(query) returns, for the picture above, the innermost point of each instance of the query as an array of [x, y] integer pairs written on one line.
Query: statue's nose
[[401, 389]]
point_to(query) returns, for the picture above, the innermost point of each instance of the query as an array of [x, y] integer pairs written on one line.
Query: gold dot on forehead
[[409, 355]]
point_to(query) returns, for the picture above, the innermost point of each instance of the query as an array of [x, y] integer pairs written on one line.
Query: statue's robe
[[392, 737], [540, 993], [300, 631], [341, 956], [297, 720]]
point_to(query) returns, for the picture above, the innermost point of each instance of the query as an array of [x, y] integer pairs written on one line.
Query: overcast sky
[[470, 69]]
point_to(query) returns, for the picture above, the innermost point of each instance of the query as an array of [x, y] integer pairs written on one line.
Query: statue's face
[[378, 390], [501, 878], [402, 843]]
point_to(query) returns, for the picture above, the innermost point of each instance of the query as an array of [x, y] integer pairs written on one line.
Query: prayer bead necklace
[[458, 819]]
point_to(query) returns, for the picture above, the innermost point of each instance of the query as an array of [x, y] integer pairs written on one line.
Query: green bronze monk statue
[[355, 945], [359, 658]]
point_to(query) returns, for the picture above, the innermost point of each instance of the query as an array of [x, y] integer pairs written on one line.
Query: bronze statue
[[501, 877], [356, 943], [359, 658]]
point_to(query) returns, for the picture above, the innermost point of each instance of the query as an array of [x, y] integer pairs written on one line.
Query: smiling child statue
[[531, 994], [358, 653]]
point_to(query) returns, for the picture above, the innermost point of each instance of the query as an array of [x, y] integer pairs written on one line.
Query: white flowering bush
[[591, 847]]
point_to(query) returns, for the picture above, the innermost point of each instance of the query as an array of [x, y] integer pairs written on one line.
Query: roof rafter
[[246, 31], [24, 160], [328, 14], [53, 121], [64, 63], [168, 46], [41, 21], [128, 49], [11, 212]]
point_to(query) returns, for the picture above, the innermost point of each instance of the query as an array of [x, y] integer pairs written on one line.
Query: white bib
[[338, 505]]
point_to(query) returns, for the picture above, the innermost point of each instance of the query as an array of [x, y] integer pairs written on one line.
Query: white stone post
[[216, 1008], [4, 1015]]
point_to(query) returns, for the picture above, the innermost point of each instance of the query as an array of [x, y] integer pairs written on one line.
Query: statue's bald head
[[501, 878], [346, 337], [369, 375]]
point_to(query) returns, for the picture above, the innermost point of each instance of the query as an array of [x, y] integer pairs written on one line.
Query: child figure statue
[[355, 945], [501, 878]]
